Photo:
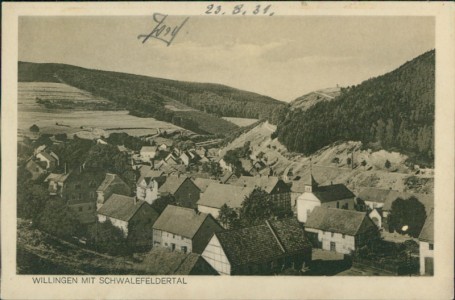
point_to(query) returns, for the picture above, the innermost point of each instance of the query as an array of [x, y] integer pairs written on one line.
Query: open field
[[242, 122], [70, 121]]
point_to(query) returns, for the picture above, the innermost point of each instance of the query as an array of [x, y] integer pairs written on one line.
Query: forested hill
[[156, 97], [394, 111]]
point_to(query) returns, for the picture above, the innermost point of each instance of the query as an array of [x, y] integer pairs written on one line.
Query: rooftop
[[109, 180], [217, 194], [172, 184], [343, 221], [427, 233], [266, 183], [180, 220], [203, 183], [121, 207], [263, 242], [333, 192]]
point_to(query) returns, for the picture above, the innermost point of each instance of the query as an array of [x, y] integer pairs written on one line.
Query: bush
[[34, 128]]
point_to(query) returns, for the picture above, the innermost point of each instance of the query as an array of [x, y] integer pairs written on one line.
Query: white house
[[333, 196], [122, 211], [147, 189], [376, 216], [340, 230], [148, 153], [426, 246], [183, 229], [224, 165], [50, 160]]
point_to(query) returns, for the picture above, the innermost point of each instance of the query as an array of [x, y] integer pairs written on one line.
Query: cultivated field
[[242, 122], [74, 121]]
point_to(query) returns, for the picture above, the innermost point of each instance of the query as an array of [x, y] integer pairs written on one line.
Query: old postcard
[[227, 150]]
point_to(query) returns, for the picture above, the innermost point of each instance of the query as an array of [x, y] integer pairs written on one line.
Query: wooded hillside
[[148, 97], [394, 111]]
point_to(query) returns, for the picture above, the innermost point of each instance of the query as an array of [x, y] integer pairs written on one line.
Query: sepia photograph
[[234, 142]]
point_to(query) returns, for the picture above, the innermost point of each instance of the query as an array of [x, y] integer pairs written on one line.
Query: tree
[[160, 204], [58, 219], [410, 213], [348, 161], [256, 208], [34, 128], [106, 238], [387, 164], [228, 217], [31, 199], [212, 168]]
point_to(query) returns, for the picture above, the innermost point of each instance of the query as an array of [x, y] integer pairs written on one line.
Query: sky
[[281, 57]]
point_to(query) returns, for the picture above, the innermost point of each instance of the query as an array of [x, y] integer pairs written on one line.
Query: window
[[431, 247], [332, 234], [184, 249]]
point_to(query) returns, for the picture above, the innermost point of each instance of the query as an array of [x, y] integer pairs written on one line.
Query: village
[[217, 215]]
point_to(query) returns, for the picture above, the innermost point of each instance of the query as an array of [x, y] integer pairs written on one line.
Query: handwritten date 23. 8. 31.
[[240, 9]]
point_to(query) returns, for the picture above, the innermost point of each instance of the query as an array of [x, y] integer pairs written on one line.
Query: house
[[163, 144], [172, 159], [36, 168], [228, 178], [112, 184], [39, 149], [426, 246], [50, 160], [147, 188], [148, 152], [340, 230], [372, 198], [333, 195], [297, 189], [224, 165], [217, 194], [56, 183], [163, 261], [134, 217], [78, 189], [203, 183], [264, 249], [189, 157], [376, 216], [247, 165], [185, 192], [183, 229], [278, 191]]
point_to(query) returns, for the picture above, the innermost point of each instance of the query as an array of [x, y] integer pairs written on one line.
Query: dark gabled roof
[[162, 261], [111, 179], [180, 220], [173, 183], [121, 207], [217, 194], [343, 221], [290, 233], [427, 232], [333, 192], [263, 242], [266, 183]]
